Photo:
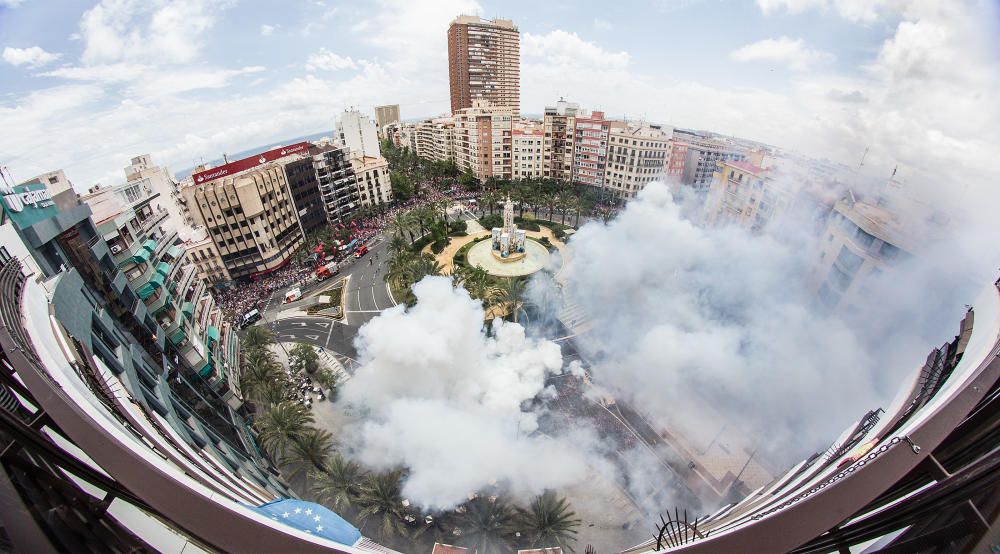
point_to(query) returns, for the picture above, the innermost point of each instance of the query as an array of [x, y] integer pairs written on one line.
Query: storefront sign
[[233, 168]]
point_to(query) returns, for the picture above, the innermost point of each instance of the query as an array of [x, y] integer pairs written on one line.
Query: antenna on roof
[[863, 157], [225, 158]]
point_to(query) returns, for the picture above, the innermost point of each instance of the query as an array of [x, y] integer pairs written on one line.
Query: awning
[[188, 309], [149, 245], [312, 518], [178, 337], [155, 282], [175, 251], [163, 268], [206, 370], [213, 333], [166, 304]]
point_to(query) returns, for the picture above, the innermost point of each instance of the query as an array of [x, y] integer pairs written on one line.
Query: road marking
[[313, 337], [363, 312], [299, 323], [323, 325], [373, 296], [288, 336]]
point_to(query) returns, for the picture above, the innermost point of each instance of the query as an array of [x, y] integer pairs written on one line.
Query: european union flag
[[311, 518]]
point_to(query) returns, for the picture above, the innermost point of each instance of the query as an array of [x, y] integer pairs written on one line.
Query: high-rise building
[[484, 140], [357, 132], [246, 207], [109, 441], [637, 155], [559, 127], [484, 58], [387, 114], [142, 169], [590, 149]]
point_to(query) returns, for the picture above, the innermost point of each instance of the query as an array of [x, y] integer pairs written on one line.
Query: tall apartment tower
[[484, 62], [386, 114], [357, 132]]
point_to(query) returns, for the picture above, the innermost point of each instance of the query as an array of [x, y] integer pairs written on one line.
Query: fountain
[[508, 241]]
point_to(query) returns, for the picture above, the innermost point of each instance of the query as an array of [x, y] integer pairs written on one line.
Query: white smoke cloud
[[444, 399]]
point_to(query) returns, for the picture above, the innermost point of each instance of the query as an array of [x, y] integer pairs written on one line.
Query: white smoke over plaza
[[445, 400]]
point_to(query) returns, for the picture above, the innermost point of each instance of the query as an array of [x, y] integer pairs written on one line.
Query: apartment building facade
[[384, 115], [590, 149], [529, 146], [559, 128], [702, 157], [484, 58], [638, 154], [357, 132], [484, 140], [372, 175], [338, 185]]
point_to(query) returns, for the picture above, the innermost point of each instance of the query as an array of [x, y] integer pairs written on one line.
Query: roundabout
[[535, 258]]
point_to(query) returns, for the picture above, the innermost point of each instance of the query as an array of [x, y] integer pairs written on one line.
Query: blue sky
[[87, 85]]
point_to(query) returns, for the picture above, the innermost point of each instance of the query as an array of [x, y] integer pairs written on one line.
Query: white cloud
[[267, 30], [11, 3], [858, 11], [602, 24], [121, 30], [560, 48], [33, 56], [325, 60], [792, 53]]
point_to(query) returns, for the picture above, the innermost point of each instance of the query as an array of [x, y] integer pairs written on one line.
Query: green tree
[[303, 358], [340, 484], [279, 427], [328, 380], [380, 499], [310, 450], [468, 180], [257, 338], [402, 186], [549, 522], [510, 293], [488, 525]]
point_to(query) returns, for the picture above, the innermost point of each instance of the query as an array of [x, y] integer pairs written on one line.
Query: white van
[[250, 318], [292, 295]]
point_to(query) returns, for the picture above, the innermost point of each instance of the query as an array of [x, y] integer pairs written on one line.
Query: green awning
[[213, 333], [188, 309], [178, 337], [206, 370], [155, 282], [175, 251], [142, 256], [163, 268]]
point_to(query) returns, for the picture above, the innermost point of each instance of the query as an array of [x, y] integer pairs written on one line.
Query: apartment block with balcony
[[484, 63], [638, 154], [529, 145], [484, 141], [703, 153], [338, 185], [372, 176], [107, 444], [590, 149], [559, 128], [161, 270]]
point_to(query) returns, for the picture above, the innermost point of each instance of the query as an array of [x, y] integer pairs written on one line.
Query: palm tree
[[488, 525], [257, 338], [311, 448], [339, 484], [549, 522], [403, 223], [380, 497], [397, 244], [477, 281], [279, 427], [510, 293], [441, 526]]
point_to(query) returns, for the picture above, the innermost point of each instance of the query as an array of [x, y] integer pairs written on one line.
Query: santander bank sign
[[233, 168]]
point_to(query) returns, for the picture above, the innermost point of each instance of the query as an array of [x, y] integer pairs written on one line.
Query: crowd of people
[[242, 298]]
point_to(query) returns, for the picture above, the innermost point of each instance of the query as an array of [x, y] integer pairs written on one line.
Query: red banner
[[233, 168]]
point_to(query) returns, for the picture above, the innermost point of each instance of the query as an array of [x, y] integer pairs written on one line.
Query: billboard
[[233, 168], [28, 203]]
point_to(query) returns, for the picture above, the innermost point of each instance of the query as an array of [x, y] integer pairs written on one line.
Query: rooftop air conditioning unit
[[116, 249]]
